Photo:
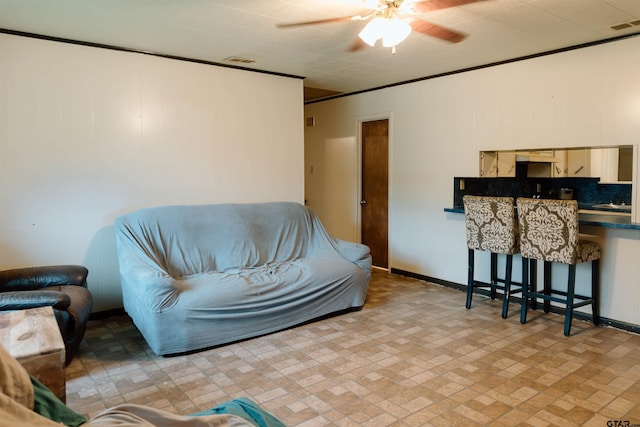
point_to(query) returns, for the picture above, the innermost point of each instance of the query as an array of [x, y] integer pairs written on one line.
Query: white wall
[[87, 134], [586, 97]]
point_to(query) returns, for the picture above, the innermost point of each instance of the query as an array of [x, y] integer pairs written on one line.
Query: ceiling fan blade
[[438, 31], [429, 5], [317, 21]]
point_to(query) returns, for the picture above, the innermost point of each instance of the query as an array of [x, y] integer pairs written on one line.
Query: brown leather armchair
[[63, 287]]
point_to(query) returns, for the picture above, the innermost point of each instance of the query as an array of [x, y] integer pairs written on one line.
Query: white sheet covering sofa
[[194, 277]]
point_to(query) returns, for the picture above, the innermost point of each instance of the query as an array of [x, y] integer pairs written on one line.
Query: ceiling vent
[[239, 59], [628, 24]]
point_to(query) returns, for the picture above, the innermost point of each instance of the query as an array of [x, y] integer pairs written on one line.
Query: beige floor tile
[[413, 356]]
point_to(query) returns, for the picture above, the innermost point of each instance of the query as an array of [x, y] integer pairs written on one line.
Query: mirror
[[611, 164]]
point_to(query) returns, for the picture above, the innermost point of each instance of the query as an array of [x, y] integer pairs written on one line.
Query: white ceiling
[[212, 30]]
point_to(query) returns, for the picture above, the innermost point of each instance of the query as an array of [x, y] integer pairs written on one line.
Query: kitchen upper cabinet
[[498, 164], [610, 164], [488, 164], [579, 163], [506, 163], [571, 163], [559, 167]]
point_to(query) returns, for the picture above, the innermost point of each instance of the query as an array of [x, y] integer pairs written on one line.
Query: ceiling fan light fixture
[[384, 22], [395, 32], [373, 31]]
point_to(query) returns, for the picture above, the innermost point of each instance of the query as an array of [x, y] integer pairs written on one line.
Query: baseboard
[[107, 313], [604, 321]]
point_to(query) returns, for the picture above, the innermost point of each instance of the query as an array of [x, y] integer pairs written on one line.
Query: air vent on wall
[[628, 24], [239, 59]]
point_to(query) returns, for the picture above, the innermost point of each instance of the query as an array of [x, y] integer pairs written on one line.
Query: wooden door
[[375, 190]]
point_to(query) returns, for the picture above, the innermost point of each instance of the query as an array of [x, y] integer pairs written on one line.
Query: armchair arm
[[19, 300], [33, 278]]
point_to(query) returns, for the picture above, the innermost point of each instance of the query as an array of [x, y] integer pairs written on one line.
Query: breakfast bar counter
[[589, 217]]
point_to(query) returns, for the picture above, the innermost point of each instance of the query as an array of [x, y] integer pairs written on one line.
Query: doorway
[[374, 202]]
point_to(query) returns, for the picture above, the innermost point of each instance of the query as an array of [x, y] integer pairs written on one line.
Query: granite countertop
[[599, 218]]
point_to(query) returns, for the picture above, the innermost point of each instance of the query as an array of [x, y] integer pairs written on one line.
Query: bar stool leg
[[570, 293], [595, 291], [525, 290], [507, 286], [494, 274], [533, 282], [470, 278], [547, 285]]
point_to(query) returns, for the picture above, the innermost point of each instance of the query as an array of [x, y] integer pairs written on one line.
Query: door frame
[[358, 190]]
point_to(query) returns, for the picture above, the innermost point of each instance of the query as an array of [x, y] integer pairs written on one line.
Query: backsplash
[[587, 191]]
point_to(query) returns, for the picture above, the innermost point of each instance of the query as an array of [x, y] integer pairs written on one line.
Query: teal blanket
[[247, 410], [49, 406]]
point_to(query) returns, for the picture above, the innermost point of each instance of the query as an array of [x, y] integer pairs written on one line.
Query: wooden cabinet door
[[507, 163], [578, 163], [488, 164]]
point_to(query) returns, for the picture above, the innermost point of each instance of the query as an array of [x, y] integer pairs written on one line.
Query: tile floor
[[413, 356]]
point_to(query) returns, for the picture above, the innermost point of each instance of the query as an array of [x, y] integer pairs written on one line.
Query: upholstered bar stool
[[491, 227], [549, 232]]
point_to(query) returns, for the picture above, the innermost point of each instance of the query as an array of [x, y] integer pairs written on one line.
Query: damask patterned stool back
[[491, 227], [549, 232]]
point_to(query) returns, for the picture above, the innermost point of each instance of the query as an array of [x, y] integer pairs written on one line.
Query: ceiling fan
[[393, 21]]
